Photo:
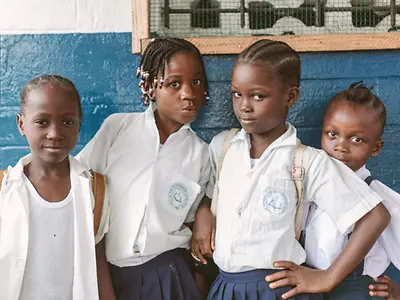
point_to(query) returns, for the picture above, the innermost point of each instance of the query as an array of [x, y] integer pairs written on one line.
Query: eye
[[356, 139], [332, 134], [68, 122], [197, 82], [175, 84], [41, 122], [258, 97], [236, 94]]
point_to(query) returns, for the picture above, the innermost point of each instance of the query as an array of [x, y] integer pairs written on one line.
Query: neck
[[261, 141], [44, 169], [165, 126]]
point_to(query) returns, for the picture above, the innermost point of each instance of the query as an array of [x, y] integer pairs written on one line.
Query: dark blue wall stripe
[[103, 68]]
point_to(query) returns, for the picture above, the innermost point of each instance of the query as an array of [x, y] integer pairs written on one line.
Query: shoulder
[[121, 119], [391, 198], [218, 140]]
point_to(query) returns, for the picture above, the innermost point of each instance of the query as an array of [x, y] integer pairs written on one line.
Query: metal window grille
[[210, 18]]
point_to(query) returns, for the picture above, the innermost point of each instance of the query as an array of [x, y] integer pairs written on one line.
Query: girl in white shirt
[[257, 202], [352, 133], [47, 245], [157, 169]]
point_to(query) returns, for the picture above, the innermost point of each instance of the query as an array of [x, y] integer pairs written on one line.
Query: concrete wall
[[91, 44]]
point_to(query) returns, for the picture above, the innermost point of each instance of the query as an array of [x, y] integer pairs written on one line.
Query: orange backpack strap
[[99, 190]]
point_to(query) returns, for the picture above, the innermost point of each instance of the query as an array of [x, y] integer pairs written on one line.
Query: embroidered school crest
[[178, 196], [275, 201]]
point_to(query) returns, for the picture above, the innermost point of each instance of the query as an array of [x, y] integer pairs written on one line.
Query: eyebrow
[[178, 75]]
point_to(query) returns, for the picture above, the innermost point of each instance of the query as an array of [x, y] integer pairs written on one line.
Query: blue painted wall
[[103, 68]]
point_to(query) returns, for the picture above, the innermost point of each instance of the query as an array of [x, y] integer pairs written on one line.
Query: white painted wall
[[65, 16]]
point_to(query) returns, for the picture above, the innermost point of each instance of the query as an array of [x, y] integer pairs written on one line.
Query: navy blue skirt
[[165, 277], [250, 285], [354, 287]]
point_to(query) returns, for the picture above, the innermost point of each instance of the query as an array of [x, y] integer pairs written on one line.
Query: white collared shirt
[[256, 206], [15, 212], [324, 242], [153, 190]]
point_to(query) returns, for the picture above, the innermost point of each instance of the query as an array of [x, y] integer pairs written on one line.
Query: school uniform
[[154, 189], [257, 205], [22, 226], [323, 243]]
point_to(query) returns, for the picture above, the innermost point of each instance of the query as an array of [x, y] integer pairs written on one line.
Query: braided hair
[[359, 94], [280, 56], [156, 56], [40, 81]]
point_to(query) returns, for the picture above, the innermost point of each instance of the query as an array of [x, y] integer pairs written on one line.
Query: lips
[[54, 148], [246, 120]]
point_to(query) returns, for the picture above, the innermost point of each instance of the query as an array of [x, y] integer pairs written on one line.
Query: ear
[[377, 149], [292, 95], [20, 123]]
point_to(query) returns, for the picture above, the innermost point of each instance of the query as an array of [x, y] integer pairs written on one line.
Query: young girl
[[257, 197], [157, 169], [46, 223], [352, 133]]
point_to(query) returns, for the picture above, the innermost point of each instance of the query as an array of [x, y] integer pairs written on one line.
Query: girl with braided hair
[[157, 170]]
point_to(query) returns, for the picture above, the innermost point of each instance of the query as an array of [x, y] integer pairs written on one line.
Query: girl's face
[[351, 134], [50, 121], [260, 100], [182, 94]]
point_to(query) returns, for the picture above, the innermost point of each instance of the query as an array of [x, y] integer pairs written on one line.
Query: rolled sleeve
[[203, 182], [338, 190]]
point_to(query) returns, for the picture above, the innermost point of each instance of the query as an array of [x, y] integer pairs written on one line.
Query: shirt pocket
[[277, 199], [177, 196]]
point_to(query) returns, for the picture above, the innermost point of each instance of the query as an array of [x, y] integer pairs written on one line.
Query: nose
[[245, 105], [187, 92], [55, 132], [341, 146]]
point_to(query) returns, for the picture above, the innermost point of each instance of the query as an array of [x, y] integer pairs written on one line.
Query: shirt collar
[[17, 171], [150, 119], [289, 138], [363, 172]]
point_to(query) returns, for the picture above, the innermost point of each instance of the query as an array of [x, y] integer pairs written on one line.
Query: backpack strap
[[98, 189], [369, 179], [2, 174], [224, 149], [298, 173]]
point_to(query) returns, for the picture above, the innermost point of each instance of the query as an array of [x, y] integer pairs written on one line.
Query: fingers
[[288, 281], [382, 294], [379, 289], [283, 264], [196, 253], [277, 276], [213, 238], [293, 292], [205, 249]]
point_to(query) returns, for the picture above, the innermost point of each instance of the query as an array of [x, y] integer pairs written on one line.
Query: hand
[[305, 280], [385, 288], [203, 237]]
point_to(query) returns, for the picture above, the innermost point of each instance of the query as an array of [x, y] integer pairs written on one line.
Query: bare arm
[[203, 231], [307, 280], [106, 290]]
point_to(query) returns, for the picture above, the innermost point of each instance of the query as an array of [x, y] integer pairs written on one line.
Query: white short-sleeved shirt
[[256, 206], [153, 190], [324, 242]]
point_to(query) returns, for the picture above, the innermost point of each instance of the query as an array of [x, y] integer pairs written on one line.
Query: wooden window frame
[[235, 44]]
